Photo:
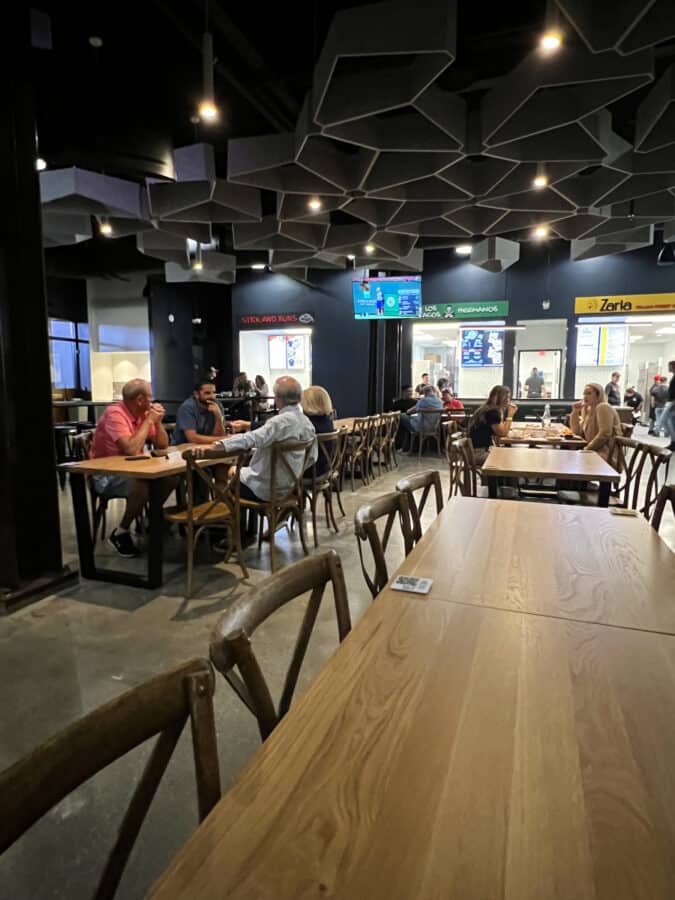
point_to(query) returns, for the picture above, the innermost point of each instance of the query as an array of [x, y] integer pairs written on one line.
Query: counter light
[[550, 41]]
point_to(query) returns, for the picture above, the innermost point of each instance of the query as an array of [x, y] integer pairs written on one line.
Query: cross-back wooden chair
[[462, 466], [655, 462], [160, 706], [222, 509], [429, 430], [231, 646], [287, 502], [378, 441], [356, 449], [99, 505], [629, 457], [322, 484], [390, 457], [666, 493], [389, 507], [425, 482]]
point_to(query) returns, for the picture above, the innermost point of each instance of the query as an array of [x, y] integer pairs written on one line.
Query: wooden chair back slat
[[388, 507], [657, 462], [666, 493], [462, 463], [160, 706], [423, 481], [231, 638]]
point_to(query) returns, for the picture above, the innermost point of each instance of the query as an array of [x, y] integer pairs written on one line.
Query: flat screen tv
[[482, 347], [398, 297]]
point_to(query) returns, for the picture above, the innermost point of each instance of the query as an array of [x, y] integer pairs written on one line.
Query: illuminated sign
[[625, 303]]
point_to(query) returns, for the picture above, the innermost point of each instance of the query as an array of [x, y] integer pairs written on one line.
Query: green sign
[[490, 309]]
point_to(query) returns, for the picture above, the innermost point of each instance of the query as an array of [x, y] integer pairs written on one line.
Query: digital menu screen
[[601, 345], [482, 347], [388, 298]]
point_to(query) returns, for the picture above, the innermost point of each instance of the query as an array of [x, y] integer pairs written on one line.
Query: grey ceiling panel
[[495, 254], [432, 188], [348, 237], [419, 211], [589, 248], [577, 226], [168, 247], [656, 25], [544, 200], [476, 219], [521, 177], [271, 234], [588, 187], [518, 221], [569, 143], [432, 227], [640, 186], [65, 228], [604, 24], [477, 175], [376, 212], [393, 169], [76, 190], [655, 126], [294, 207], [342, 166]]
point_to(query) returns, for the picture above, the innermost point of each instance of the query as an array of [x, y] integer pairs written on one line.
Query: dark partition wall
[[340, 345]]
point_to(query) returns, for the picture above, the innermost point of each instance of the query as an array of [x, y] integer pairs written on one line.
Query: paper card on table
[[413, 585], [174, 455], [620, 511]]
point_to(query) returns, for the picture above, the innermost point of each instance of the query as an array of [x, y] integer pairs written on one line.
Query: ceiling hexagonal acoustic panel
[[385, 162]]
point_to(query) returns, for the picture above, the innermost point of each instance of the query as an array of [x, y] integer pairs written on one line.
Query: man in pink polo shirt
[[123, 429]]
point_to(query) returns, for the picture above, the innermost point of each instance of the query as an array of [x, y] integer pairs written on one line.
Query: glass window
[[63, 360], [83, 331], [84, 367], [540, 358], [62, 329]]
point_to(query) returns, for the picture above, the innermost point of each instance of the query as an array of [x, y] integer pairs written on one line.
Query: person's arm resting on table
[[132, 444]]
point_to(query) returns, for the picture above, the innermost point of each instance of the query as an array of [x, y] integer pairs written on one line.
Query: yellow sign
[[625, 303]]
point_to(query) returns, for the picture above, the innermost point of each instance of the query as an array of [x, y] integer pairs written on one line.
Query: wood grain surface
[[347, 423], [570, 561], [449, 752], [512, 462], [149, 468]]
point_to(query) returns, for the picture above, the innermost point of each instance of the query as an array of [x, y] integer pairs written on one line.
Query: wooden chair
[[231, 638], [429, 430], [373, 449], [392, 506], [356, 449], [322, 485], [223, 508], [423, 481], [390, 457], [160, 706], [99, 505], [462, 464], [655, 462], [283, 505], [629, 457], [666, 493]]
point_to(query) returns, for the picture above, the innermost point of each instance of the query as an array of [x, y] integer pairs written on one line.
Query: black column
[[30, 544]]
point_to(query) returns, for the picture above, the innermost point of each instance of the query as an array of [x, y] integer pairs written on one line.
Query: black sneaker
[[123, 544]]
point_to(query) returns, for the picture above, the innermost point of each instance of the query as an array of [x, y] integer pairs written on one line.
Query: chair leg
[[351, 472], [190, 547], [301, 529], [313, 501], [272, 525], [330, 510], [338, 494]]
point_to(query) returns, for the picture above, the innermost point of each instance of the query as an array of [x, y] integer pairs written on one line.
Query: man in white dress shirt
[[291, 424]]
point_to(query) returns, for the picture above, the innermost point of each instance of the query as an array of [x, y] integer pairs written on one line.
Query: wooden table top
[[448, 751], [150, 468], [346, 423], [568, 561], [548, 463], [534, 434]]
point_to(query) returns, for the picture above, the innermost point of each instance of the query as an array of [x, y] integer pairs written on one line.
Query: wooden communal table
[[151, 469], [460, 753], [567, 465], [537, 436], [572, 562]]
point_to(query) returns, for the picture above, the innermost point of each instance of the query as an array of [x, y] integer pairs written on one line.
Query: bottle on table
[[546, 418]]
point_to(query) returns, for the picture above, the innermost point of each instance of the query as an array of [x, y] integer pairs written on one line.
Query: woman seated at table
[[492, 419], [318, 407], [598, 423]]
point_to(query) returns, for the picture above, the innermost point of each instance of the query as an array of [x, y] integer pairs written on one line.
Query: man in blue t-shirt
[[200, 418], [430, 404]]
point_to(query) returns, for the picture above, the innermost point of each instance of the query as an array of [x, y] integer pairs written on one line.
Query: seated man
[[406, 401], [291, 424], [428, 402], [199, 418], [450, 401], [123, 429]]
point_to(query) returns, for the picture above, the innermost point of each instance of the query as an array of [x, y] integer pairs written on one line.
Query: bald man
[[291, 424], [123, 429]]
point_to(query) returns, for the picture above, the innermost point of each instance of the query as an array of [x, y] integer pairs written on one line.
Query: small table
[[567, 465], [151, 469], [573, 562]]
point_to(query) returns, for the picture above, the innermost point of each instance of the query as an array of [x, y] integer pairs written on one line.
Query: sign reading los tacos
[[625, 303], [484, 310]]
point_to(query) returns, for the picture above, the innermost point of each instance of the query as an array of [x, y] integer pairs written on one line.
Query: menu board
[[482, 347], [601, 345], [388, 298], [286, 351], [295, 352], [277, 351]]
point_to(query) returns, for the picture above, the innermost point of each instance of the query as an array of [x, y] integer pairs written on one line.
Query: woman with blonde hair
[[318, 407], [598, 423], [492, 419]]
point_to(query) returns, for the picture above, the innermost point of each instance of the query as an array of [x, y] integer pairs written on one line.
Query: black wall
[[340, 345], [67, 299]]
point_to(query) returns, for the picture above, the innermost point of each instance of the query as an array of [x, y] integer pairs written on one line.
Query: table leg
[[83, 528], [492, 487], [156, 533], [603, 495]]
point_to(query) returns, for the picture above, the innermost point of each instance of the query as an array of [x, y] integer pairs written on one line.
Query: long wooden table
[[572, 562], [151, 469], [567, 465], [536, 435], [451, 751]]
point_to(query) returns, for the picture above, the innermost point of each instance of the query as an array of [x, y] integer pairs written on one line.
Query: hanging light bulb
[[105, 228], [207, 111], [198, 264]]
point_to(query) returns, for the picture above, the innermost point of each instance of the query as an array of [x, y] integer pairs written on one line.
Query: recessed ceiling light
[[259, 266], [314, 204], [105, 228], [40, 164], [540, 232], [197, 265], [208, 111], [463, 249], [369, 248], [96, 41], [551, 41], [351, 256], [540, 181]]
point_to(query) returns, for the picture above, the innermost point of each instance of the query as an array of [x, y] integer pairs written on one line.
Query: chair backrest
[[359, 435], [462, 463], [423, 481], [231, 638], [655, 462], [82, 445], [160, 706], [666, 493], [224, 495], [328, 460], [389, 507], [629, 461], [394, 422], [430, 421], [282, 465], [374, 426]]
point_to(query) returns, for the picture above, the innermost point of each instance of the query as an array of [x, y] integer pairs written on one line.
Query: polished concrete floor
[[70, 652]]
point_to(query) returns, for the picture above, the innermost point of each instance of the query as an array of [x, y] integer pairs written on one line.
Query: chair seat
[[202, 513]]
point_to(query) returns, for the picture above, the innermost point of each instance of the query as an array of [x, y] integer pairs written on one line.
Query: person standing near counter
[[612, 390], [668, 417]]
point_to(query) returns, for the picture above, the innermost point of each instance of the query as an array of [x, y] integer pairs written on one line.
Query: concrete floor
[[69, 653]]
